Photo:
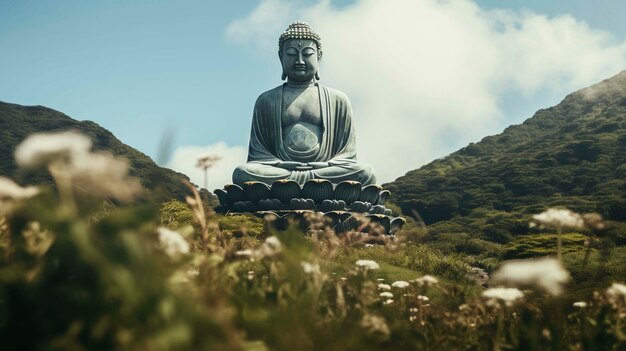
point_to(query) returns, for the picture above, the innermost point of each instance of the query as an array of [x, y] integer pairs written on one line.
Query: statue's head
[[300, 51]]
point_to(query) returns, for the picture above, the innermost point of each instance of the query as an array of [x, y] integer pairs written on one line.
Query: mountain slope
[[572, 154], [17, 122]]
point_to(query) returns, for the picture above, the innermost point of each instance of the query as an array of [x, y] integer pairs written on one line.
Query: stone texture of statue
[[302, 130]]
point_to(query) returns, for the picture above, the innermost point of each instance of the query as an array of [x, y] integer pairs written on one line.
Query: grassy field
[[83, 270]]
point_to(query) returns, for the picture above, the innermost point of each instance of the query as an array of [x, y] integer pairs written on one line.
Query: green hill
[[572, 154], [17, 122]]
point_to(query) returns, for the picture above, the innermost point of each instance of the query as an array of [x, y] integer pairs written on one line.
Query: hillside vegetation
[[571, 155], [17, 122]]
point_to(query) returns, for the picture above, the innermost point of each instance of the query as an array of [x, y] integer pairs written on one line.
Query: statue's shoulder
[[269, 96], [338, 95]]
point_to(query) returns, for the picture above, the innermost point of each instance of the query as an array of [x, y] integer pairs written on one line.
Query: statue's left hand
[[304, 167], [318, 164]]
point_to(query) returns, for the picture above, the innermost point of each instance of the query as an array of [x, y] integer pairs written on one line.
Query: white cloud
[[420, 71], [185, 158]]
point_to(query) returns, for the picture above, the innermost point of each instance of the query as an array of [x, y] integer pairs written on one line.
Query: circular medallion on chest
[[302, 136]]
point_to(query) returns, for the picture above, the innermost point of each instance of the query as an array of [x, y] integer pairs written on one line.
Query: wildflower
[[580, 304], [423, 298], [427, 280], [559, 218], [384, 287], [39, 149], [193, 272], [380, 279], [546, 274], [310, 268], [10, 191], [270, 247], [386, 294], [343, 279], [172, 242], [388, 301], [616, 293], [374, 325], [101, 173], [413, 309], [369, 246], [247, 253], [367, 264], [400, 284], [98, 173], [506, 295]]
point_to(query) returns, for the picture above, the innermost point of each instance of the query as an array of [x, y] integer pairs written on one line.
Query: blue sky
[[143, 69]]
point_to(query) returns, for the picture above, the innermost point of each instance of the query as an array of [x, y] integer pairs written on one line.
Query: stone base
[[339, 221], [286, 199]]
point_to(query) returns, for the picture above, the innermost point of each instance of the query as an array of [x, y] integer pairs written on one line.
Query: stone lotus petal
[[318, 190], [360, 206], [244, 206], [383, 220], [234, 193], [221, 195], [285, 190], [349, 223], [382, 198], [337, 218], [348, 191], [302, 204], [371, 193], [378, 209], [333, 205], [270, 204], [396, 224], [255, 191]]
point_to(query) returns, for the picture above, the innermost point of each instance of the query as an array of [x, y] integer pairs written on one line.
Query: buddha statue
[[302, 130]]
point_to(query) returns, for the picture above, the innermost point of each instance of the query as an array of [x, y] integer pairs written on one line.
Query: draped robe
[[337, 145]]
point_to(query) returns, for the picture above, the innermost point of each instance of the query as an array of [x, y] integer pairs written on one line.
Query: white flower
[[546, 274], [193, 272], [310, 268], [270, 247], [617, 292], [367, 264], [374, 324], [10, 191], [101, 173], [580, 304], [386, 294], [41, 148], [98, 173], [384, 286], [247, 253], [380, 279], [423, 298], [559, 218], [172, 242], [369, 246], [388, 301], [400, 284], [506, 295], [427, 280]]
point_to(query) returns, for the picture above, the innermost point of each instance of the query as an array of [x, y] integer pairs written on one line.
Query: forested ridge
[[17, 122], [571, 155]]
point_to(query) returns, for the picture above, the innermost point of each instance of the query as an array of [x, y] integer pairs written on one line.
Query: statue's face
[[299, 59]]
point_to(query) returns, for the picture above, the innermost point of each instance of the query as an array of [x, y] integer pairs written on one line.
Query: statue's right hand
[[291, 165]]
